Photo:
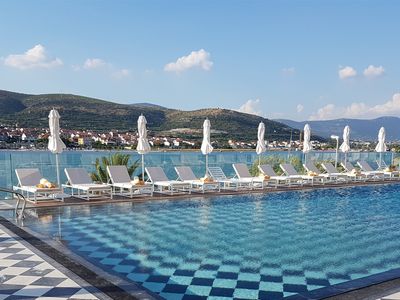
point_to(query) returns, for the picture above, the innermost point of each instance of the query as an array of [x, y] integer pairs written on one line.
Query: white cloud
[[122, 73], [288, 71], [359, 110], [94, 63], [324, 113], [373, 71], [35, 57], [347, 72], [252, 107], [299, 108], [196, 59], [101, 64]]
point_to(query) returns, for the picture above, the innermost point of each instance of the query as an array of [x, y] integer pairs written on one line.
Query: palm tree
[[116, 159]]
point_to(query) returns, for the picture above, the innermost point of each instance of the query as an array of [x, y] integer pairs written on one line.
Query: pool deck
[[33, 267], [7, 204]]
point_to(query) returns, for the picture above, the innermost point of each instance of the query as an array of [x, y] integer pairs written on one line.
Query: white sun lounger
[[185, 174], [330, 177], [158, 178], [348, 166], [229, 183], [122, 184], [366, 167], [27, 181], [242, 172], [80, 181], [290, 171], [279, 179], [330, 169]]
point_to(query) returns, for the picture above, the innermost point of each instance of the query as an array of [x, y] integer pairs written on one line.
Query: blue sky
[[281, 59]]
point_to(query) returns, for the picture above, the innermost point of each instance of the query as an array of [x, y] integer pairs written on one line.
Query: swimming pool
[[260, 246]]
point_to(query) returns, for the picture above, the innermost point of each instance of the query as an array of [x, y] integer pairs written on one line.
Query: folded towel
[[355, 172], [391, 168], [45, 184], [206, 179], [311, 173], [137, 181], [264, 177]]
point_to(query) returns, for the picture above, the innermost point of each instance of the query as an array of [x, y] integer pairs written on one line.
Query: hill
[[80, 112], [360, 129]]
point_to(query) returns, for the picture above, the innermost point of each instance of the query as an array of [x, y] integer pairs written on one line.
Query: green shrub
[[116, 159], [275, 161]]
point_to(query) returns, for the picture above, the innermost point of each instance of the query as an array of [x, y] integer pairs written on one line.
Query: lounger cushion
[[28, 177], [78, 176], [185, 173], [156, 174], [118, 174]]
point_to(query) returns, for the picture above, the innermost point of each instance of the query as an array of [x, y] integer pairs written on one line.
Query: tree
[[116, 159]]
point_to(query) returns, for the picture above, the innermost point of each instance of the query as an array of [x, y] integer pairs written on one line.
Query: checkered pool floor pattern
[[243, 247], [25, 275]]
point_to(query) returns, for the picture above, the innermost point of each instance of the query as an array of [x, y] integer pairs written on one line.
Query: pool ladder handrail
[[20, 198]]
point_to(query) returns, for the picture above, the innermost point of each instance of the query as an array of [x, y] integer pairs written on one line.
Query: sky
[[300, 60]]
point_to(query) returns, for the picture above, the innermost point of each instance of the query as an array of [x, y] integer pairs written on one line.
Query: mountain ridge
[[360, 129], [81, 112]]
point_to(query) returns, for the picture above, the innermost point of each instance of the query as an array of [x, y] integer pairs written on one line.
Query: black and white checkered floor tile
[[25, 275]]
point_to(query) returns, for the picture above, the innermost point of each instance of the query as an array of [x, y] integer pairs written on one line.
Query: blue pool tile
[[123, 269], [271, 286], [98, 254], [317, 281], [294, 288], [229, 268], [129, 262], [117, 255], [158, 278], [183, 280], [245, 294], [209, 267], [175, 288], [165, 271], [267, 278], [111, 261], [265, 295], [156, 287], [202, 281], [223, 292], [184, 272], [249, 277], [224, 283], [205, 274], [88, 249], [227, 275], [250, 285], [299, 280], [199, 290], [137, 277]]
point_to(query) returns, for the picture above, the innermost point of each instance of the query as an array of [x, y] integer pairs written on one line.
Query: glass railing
[[45, 161]]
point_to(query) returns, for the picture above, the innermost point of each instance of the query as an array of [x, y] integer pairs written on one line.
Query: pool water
[[260, 246]]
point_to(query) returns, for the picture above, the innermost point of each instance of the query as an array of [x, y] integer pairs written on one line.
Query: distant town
[[19, 138]]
